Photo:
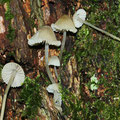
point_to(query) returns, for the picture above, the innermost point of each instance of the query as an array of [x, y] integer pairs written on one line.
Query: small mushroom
[[45, 34], [64, 24], [54, 60], [54, 88], [79, 19], [13, 75]]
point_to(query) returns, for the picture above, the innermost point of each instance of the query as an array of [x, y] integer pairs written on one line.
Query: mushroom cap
[[44, 34], [54, 60], [9, 69], [64, 23], [81, 13], [52, 88]]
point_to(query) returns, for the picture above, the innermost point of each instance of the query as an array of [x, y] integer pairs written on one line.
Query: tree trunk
[[26, 21]]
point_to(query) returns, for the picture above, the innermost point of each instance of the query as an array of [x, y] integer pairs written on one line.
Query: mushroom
[[79, 19], [54, 88], [13, 75], [64, 24], [54, 60], [45, 34]]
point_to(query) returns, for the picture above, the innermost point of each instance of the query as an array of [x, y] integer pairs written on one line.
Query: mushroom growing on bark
[[54, 61], [64, 24], [54, 88], [45, 34], [79, 19], [13, 75]]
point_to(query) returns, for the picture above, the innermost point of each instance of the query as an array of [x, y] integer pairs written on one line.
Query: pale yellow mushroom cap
[[44, 34], [9, 69], [54, 60], [64, 23]]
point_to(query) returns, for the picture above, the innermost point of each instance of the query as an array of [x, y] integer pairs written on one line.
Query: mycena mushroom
[[79, 18], [54, 61], [13, 75], [45, 34], [54, 88], [64, 24]]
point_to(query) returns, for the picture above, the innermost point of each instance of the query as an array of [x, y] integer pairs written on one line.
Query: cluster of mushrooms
[[46, 34], [13, 74]]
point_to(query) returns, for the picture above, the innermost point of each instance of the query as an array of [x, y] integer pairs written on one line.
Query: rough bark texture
[[43, 12]]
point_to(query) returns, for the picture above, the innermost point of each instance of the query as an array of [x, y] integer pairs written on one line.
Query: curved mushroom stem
[[56, 73], [62, 45], [106, 33], [5, 95], [46, 63]]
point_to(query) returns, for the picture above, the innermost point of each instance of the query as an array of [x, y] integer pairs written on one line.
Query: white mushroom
[[79, 19], [54, 88], [80, 13], [64, 24], [45, 34], [13, 75], [54, 61]]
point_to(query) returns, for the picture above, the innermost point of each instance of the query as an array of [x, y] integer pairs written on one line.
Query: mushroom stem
[[5, 95], [62, 45], [106, 33], [46, 63], [56, 72]]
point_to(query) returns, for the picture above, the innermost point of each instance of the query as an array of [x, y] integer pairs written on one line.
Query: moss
[[97, 54], [11, 33], [30, 95], [9, 16], [66, 57], [77, 109], [11, 54], [4, 1]]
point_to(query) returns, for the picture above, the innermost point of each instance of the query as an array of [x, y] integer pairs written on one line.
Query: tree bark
[[42, 12]]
